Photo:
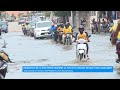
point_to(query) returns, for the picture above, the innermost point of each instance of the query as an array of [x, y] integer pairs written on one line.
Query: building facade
[[16, 13]]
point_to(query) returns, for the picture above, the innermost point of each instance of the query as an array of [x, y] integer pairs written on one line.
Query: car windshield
[[32, 23], [3, 23], [43, 24]]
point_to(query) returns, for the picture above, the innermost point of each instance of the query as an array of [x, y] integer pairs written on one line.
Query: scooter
[[68, 40], [81, 49], [94, 29], [3, 69], [4, 59]]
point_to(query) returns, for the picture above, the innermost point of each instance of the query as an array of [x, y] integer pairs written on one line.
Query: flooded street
[[18, 27], [25, 51]]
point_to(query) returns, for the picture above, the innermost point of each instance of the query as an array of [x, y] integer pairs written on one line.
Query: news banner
[[67, 69]]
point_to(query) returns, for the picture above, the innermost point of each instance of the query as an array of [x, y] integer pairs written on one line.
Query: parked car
[[4, 26], [21, 21], [42, 29]]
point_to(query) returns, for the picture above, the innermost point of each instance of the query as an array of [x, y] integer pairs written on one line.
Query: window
[[92, 13], [43, 24]]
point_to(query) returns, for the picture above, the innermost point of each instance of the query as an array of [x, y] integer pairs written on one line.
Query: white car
[[42, 29]]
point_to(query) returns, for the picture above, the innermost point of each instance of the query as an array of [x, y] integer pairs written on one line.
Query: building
[[16, 13], [77, 17]]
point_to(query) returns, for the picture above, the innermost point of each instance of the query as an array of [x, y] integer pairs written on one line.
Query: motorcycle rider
[[94, 23], [113, 30], [56, 33], [104, 25], [65, 31], [60, 32], [23, 28], [70, 27], [4, 58], [82, 35], [83, 21], [117, 36], [82, 27], [52, 29], [27, 28]]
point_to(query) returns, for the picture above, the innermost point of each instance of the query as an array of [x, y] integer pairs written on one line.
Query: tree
[[19, 15], [1, 13], [63, 14], [46, 13]]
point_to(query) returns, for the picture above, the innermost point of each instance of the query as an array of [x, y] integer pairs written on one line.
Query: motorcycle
[[60, 33], [105, 28], [94, 29], [81, 49], [68, 40], [4, 59]]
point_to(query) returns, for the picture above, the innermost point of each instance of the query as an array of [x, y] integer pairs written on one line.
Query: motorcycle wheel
[[80, 56], [77, 55], [1, 76], [92, 31], [67, 41]]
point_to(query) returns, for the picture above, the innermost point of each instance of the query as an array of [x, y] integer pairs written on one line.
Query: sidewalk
[[14, 27]]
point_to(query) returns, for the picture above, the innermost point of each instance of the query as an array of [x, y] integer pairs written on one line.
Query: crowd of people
[[59, 31]]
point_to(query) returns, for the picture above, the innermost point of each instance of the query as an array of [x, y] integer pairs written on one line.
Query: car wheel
[[35, 37], [6, 31], [40, 38], [32, 35]]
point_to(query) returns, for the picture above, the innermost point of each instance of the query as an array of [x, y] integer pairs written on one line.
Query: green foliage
[[46, 13], [62, 13]]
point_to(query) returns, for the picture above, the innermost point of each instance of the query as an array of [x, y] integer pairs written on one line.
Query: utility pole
[[51, 15], [116, 15], [72, 18], [98, 17], [77, 19]]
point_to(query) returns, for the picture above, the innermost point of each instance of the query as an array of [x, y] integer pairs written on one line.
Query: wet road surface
[[24, 50]]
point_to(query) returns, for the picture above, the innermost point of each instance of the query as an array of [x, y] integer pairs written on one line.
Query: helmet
[[81, 28], [118, 22], [68, 23], [66, 26]]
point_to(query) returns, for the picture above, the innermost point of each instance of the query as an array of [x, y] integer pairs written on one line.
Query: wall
[[16, 13], [85, 14]]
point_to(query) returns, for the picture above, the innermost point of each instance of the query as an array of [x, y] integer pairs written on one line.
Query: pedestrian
[[23, 29]]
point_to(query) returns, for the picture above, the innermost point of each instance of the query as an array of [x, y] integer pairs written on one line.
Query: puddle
[[69, 47], [78, 62]]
